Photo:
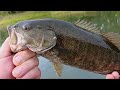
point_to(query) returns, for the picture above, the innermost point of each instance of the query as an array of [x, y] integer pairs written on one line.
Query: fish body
[[66, 43]]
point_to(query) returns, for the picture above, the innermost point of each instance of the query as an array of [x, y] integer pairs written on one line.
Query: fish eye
[[26, 27], [15, 26]]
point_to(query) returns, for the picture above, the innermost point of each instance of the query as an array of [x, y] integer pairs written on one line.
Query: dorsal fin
[[87, 26], [113, 38]]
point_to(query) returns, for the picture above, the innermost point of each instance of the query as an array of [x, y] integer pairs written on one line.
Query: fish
[[81, 44]]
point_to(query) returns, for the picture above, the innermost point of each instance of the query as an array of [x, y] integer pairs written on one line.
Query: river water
[[47, 72]]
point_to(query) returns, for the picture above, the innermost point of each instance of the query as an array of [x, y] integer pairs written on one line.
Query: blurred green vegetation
[[106, 20]]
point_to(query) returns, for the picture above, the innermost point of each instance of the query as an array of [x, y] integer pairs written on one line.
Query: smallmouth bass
[[79, 44]]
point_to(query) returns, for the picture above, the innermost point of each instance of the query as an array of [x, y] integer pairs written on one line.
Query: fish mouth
[[12, 35], [15, 44], [9, 29]]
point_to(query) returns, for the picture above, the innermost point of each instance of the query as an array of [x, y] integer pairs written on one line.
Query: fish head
[[34, 35]]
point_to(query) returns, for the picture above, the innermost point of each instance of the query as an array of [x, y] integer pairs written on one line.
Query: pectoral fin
[[58, 67]]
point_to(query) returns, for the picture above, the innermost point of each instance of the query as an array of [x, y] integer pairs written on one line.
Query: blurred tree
[[9, 12], [12, 12]]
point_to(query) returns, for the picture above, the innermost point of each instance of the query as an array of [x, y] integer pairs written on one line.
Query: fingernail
[[17, 72], [18, 59]]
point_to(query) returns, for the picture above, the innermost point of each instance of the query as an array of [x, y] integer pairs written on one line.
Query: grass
[[106, 20], [65, 15]]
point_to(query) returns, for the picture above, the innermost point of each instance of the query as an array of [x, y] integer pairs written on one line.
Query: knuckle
[[36, 61], [26, 53], [30, 52]]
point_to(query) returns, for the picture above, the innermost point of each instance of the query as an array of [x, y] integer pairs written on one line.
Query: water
[[47, 72]]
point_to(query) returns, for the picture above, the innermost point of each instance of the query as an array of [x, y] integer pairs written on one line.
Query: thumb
[[5, 49]]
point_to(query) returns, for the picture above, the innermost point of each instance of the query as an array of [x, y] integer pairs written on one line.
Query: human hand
[[113, 75], [6, 64], [26, 64], [10, 67]]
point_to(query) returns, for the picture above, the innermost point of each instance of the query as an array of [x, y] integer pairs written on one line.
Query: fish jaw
[[17, 48], [16, 43]]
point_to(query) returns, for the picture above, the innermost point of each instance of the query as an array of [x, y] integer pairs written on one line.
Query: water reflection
[[68, 72]]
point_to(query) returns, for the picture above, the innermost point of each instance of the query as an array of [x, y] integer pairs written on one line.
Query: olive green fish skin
[[78, 47], [84, 55]]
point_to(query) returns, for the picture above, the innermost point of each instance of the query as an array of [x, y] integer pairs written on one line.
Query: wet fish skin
[[86, 56], [75, 46]]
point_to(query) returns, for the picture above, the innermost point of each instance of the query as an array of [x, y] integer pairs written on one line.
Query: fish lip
[[15, 48], [9, 30]]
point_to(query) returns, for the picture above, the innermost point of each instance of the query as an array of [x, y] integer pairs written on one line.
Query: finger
[[22, 56], [5, 49], [115, 75], [32, 74], [38, 76], [21, 70], [109, 76], [6, 67]]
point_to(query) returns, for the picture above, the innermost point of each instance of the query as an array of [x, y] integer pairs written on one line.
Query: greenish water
[[106, 20]]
